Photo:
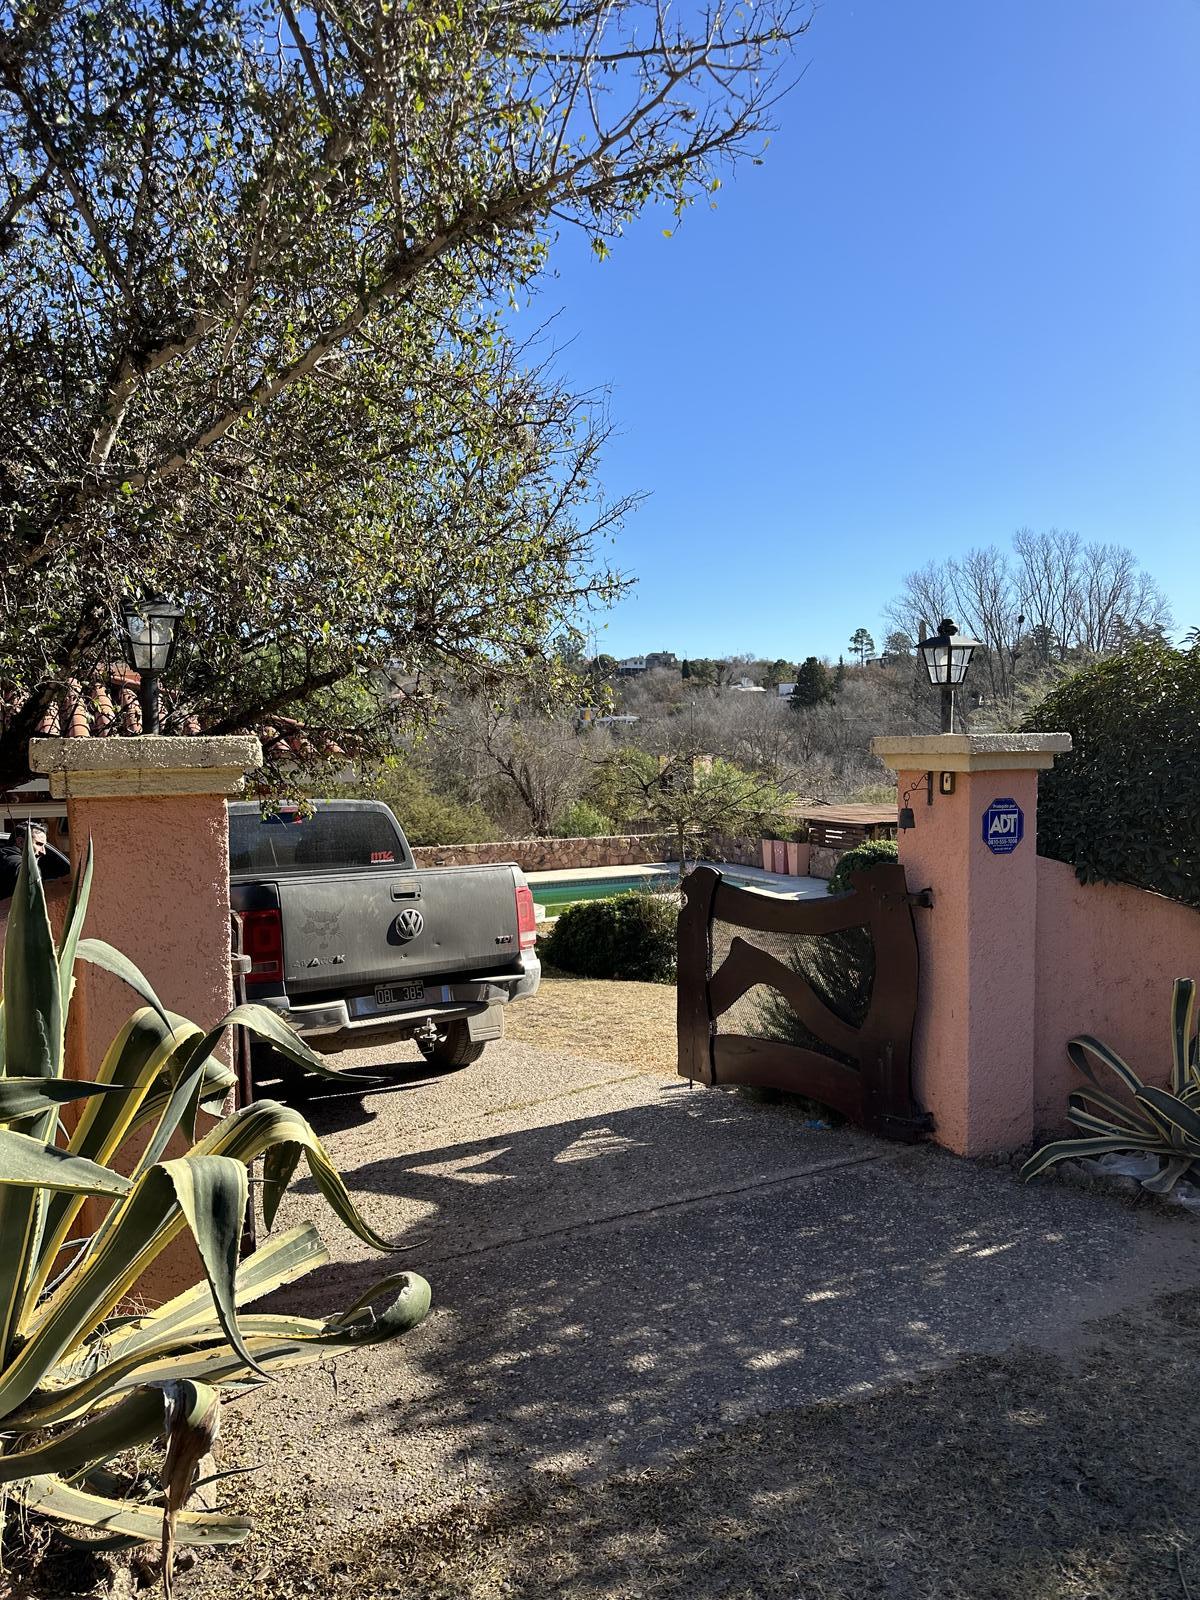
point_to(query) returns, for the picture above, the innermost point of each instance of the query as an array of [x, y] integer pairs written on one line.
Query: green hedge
[[626, 936], [1124, 806], [863, 855]]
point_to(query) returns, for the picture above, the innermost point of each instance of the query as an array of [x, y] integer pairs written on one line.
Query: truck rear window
[[289, 842]]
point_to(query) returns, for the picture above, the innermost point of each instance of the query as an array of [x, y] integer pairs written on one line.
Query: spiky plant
[[1160, 1122], [82, 1381]]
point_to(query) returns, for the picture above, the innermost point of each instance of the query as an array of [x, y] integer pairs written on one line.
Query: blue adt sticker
[[1003, 827]]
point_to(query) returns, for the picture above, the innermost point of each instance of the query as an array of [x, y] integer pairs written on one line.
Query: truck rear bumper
[[331, 1026]]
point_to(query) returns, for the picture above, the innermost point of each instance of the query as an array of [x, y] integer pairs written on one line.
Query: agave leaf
[[27, 1163], [1137, 1137], [33, 1048], [269, 1025], [151, 1216], [81, 889], [253, 1129], [132, 1421], [1066, 1149], [101, 954], [32, 996], [1183, 1006], [114, 1541], [273, 1265], [185, 1322], [1168, 1175], [30, 1097], [1078, 1050], [279, 1165], [1120, 1112], [1174, 1111], [274, 1341], [212, 1192], [142, 1052], [54, 1498]]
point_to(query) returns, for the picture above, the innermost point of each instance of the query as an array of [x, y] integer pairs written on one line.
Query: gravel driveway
[[624, 1266]]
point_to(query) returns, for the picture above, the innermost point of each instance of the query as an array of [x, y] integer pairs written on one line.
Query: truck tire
[[453, 1047]]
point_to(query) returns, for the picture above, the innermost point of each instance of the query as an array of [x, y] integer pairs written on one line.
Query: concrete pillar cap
[[108, 768], [970, 752]]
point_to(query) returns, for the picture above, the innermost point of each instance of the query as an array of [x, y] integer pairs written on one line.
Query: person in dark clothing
[[12, 849]]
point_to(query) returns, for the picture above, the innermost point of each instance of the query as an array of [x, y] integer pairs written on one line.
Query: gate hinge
[[920, 897]]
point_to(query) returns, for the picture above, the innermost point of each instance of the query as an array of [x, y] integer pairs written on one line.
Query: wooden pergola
[[842, 827]]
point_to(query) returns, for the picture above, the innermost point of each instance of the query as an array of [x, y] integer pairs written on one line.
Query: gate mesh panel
[[838, 967]]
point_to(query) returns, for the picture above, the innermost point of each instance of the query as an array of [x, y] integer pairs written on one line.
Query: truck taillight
[[526, 917], [262, 941]]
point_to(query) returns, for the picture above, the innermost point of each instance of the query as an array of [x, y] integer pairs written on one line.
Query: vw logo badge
[[408, 925]]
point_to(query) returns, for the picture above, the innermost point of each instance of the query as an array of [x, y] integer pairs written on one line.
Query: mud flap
[[487, 1024]]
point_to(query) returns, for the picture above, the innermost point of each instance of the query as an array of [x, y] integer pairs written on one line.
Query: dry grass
[[601, 1019]]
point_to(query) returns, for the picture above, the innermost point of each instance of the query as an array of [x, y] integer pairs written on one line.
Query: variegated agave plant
[[80, 1382], [1160, 1122]]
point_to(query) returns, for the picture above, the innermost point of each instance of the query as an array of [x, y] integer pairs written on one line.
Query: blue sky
[[959, 297]]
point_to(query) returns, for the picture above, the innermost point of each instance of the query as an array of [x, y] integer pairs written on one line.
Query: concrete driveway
[[623, 1263]]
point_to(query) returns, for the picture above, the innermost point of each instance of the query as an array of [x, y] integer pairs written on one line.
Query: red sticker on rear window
[[381, 855]]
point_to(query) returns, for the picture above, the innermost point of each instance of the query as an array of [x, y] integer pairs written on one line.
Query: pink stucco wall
[[160, 893], [1107, 955], [973, 1048]]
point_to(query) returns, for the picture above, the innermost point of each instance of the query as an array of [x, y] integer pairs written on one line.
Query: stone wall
[[568, 855], [551, 855], [823, 860]]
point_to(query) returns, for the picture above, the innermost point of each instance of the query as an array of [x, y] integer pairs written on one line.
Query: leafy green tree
[[813, 686], [426, 816], [692, 796], [778, 672], [252, 258], [862, 644]]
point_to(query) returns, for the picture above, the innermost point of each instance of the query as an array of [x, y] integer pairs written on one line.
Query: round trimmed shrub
[[868, 854], [626, 936]]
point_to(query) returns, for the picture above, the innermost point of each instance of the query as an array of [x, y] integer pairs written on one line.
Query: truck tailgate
[[353, 931]]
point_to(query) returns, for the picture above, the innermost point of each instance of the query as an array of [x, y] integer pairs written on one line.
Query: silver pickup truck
[[355, 945]]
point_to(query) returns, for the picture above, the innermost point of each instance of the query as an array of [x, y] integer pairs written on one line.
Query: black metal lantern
[[151, 637], [947, 656]]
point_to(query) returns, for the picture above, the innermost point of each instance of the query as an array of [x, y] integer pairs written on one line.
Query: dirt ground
[[631, 1023]]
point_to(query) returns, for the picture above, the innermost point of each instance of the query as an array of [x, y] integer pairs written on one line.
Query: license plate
[[399, 994]]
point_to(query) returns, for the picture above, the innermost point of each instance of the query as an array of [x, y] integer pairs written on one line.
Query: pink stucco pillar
[[154, 809], [976, 848]]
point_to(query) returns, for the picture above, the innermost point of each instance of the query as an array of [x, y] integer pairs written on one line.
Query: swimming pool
[[563, 892]]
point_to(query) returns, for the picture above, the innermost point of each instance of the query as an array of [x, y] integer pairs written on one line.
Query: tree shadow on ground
[[613, 1287], [993, 1478]]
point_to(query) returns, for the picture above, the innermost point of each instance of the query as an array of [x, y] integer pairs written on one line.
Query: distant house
[[784, 690], [619, 719], [747, 686], [631, 666]]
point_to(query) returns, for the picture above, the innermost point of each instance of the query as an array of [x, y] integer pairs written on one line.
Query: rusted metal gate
[[820, 1000]]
